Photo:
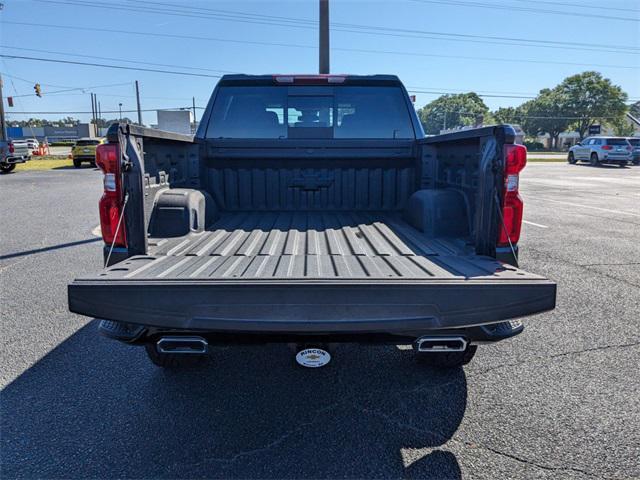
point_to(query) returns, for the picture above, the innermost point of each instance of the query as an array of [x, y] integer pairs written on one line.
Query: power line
[[414, 90], [253, 16], [580, 5], [276, 44], [116, 59], [84, 89], [428, 55], [352, 28], [185, 73], [103, 65], [512, 8], [106, 111], [484, 95]]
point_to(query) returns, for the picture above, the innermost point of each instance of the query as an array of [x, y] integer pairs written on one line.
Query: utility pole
[[3, 123], [194, 111], [138, 100], [93, 110], [324, 37], [120, 110], [99, 119]]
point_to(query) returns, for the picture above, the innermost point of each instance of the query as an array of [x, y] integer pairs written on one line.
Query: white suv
[[601, 150]]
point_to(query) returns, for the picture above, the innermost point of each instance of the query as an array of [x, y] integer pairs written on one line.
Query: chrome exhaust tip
[[183, 345], [441, 344]]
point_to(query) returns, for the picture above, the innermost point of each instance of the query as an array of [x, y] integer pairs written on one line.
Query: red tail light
[[607, 147], [515, 159], [111, 203], [11, 147]]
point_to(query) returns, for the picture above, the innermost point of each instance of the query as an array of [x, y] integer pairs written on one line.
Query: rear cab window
[[310, 112], [617, 141], [87, 143]]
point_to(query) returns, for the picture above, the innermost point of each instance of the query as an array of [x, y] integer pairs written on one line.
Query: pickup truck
[[13, 152], [310, 210]]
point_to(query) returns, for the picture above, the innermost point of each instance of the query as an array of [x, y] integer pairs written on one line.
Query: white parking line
[[621, 212], [534, 224]]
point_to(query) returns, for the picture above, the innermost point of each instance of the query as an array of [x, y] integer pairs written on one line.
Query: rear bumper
[[399, 308], [616, 159], [20, 159], [84, 158]]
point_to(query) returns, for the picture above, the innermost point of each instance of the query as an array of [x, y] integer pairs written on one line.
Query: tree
[[511, 115], [546, 114], [622, 127], [42, 122], [450, 111], [592, 98]]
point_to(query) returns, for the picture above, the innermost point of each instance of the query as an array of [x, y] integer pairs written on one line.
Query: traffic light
[[36, 87]]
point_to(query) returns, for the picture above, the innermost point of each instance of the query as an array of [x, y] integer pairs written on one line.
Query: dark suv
[[635, 144]]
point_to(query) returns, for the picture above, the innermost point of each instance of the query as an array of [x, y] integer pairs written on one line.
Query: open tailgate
[[234, 294]]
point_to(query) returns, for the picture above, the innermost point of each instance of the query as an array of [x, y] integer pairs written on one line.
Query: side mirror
[[579, 143]]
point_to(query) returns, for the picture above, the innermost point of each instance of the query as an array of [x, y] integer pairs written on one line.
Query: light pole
[[120, 109]]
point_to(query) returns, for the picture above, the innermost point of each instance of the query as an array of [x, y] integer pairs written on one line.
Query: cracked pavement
[[559, 401]]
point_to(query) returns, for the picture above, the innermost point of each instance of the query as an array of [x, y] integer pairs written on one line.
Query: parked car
[[13, 152], [601, 150], [310, 210], [33, 144], [635, 144], [85, 151]]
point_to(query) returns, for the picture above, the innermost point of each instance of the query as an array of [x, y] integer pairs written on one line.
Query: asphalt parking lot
[[559, 401]]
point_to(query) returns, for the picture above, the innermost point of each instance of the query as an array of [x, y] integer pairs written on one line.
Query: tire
[[571, 158], [593, 160], [171, 360], [7, 167], [622, 165], [447, 360], [77, 163]]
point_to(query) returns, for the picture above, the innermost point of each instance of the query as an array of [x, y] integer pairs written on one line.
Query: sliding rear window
[[280, 112]]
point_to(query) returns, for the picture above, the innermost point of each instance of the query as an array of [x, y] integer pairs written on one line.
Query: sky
[[434, 46]]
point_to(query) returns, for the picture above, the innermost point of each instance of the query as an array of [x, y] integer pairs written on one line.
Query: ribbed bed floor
[[272, 245]]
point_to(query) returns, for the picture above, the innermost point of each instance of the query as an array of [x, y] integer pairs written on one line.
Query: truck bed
[[279, 245], [310, 272]]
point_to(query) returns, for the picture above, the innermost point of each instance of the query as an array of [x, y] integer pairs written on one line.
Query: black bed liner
[[339, 245], [310, 272]]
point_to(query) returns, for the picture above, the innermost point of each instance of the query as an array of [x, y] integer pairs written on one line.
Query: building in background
[[53, 134]]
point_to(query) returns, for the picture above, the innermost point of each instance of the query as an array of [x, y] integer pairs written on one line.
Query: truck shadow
[[95, 408]]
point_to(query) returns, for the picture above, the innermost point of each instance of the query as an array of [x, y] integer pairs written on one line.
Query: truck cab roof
[[309, 79]]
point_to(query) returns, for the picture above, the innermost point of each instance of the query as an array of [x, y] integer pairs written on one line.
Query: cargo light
[[111, 204], [515, 159], [309, 79]]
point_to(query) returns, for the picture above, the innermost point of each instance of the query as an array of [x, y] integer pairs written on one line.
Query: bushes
[[534, 146]]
